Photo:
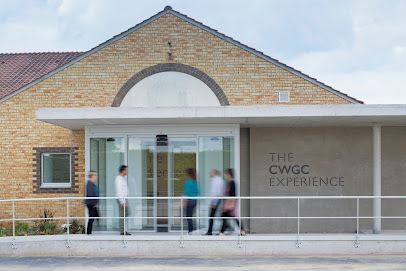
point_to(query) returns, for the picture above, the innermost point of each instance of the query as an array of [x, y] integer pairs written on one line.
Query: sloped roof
[[167, 10], [18, 70]]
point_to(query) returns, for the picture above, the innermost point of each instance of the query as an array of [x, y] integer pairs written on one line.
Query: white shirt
[[216, 189], [121, 188]]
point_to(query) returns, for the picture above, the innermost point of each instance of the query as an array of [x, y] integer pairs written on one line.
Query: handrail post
[[124, 241], [240, 225], [124, 219], [68, 243], [13, 244], [13, 221], [298, 244], [357, 244], [182, 241]]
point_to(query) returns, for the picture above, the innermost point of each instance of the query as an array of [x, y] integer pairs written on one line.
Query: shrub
[[75, 228], [21, 228], [45, 226], [6, 229]]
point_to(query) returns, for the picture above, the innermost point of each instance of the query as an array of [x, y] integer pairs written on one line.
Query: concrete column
[[377, 176]]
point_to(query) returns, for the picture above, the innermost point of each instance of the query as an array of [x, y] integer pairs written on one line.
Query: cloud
[[373, 67]]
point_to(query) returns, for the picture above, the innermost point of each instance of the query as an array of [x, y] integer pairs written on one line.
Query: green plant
[[6, 229], [76, 228], [46, 225], [21, 228]]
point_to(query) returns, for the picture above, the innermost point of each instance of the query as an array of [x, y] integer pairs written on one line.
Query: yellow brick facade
[[95, 80]]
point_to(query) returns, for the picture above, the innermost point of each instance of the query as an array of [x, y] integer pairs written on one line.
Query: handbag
[[229, 205]]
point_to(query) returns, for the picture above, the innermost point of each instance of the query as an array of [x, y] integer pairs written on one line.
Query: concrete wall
[[341, 154], [55, 246], [393, 176]]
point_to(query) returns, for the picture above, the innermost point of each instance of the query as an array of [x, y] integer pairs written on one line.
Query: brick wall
[[94, 82]]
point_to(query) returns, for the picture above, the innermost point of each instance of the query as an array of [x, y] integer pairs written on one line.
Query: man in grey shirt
[[216, 190]]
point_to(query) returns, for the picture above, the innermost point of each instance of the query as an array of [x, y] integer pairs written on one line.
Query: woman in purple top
[[230, 204]]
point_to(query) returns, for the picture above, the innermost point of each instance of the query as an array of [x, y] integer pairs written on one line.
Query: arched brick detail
[[166, 67]]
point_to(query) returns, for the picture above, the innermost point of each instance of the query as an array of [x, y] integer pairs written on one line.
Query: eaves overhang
[[246, 116]]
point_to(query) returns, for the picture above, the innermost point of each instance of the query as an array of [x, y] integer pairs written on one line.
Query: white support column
[[377, 176]]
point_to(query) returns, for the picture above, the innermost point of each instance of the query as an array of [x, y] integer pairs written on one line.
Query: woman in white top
[[216, 190], [122, 192]]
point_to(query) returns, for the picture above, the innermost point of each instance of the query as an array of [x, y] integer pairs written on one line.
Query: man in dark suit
[[92, 191]]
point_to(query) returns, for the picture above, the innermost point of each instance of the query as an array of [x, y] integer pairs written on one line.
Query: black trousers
[[190, 208], [212, 213], [225, 222], [92, 213]]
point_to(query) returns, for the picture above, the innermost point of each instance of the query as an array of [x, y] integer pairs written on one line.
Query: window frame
[[280, 92], [56, 185]]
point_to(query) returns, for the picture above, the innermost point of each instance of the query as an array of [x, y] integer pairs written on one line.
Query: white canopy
[[246, 116]]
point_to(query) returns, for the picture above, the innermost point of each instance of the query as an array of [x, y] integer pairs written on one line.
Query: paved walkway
[[203, 263]]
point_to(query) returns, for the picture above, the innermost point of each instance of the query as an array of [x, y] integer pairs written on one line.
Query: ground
[[204, 263]]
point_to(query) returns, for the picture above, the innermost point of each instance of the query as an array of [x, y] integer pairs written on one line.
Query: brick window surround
[[175, 67], [37, 170]]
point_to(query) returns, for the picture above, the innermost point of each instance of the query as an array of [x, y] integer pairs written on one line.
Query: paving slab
[[203, 263]]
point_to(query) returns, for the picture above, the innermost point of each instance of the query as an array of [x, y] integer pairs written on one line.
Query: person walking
[[122, 192], [91, 191], [216, 190], [230, 204], [190, 190]]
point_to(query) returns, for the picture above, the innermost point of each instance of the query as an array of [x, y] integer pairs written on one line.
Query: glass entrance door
[[182, 155], [141, 183], [157, 171]]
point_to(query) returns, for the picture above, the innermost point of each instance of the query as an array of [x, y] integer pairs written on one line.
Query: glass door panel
[[215, 152], [106, 157], [182, 155], [141, 183], [162, 187]]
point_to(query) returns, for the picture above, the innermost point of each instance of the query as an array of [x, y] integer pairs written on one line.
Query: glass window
[[106, 157], [141, 183], [284, 96], [215, 152], [56, 169], [170, 89]]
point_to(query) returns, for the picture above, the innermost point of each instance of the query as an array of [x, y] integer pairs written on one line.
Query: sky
[[357, 47]]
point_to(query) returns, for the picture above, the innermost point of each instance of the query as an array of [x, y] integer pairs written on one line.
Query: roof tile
[[20, 69]]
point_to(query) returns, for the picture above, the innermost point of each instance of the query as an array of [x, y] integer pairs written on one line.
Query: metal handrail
[[236, 197], [239, 217]]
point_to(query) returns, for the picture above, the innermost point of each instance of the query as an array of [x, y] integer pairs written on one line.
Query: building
[[212, 102]]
